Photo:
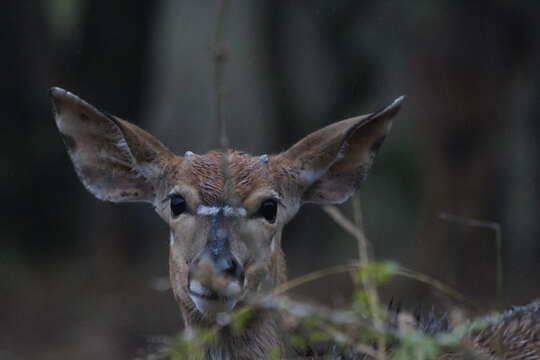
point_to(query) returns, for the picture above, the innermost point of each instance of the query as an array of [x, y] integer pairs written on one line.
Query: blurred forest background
[[81, 279]]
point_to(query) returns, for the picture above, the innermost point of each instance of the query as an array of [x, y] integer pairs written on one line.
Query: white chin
[[206, 306]]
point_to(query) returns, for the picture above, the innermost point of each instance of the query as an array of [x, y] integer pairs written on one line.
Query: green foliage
[[298, 341], [276, 354], [241, 318], [380, 272], [189, 345], [377, 273], [309, 332], [360, 333], [365, 326]]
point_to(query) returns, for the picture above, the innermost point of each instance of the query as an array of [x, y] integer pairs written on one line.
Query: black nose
[[229, 266], [224, 264], [217, 258]]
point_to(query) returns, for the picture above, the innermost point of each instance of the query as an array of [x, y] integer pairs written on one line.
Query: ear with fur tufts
[[115, 160], [333, 161]]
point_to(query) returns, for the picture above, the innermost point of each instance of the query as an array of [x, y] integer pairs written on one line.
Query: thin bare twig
[[220, 57], [369, 283], [363, 254], [496, 227], [363, 244], [307, 310], [312, 276], [346, 224], [411, 274], [340, 269], [342, 221]]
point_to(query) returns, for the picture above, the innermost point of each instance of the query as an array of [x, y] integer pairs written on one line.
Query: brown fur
[[230, 177], [118, 161], [223, 176]]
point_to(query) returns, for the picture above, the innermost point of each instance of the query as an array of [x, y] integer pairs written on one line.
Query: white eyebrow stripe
[[230, 211], [208, 210], [204, 210]]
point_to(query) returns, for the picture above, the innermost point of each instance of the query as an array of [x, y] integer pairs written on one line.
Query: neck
[[256, 340]]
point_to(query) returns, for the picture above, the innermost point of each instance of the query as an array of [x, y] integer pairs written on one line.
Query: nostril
[[206, 265], [231, 268], [235, 270]]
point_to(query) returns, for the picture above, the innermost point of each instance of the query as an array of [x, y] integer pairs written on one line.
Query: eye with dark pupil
[[178, 205], [268, 210]]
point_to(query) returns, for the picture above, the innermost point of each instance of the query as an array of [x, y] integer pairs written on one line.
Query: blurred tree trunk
[[106, 67], [112, 45], [523, 164], [23, 97], [181, 92], [321, 73], [462, 124]]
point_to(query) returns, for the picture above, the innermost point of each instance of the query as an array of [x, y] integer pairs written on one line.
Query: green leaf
[[241, 318], [381, 272]]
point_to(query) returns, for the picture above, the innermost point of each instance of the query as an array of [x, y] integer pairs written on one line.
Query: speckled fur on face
[[228, 177], [240, 181]]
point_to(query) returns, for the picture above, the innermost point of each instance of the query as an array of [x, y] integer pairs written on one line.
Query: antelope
[[225, 209]]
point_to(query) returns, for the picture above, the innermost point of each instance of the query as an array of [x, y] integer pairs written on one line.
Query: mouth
[[210, 302], [210, 296]]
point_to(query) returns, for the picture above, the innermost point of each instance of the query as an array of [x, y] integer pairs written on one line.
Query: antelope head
[[225, 209]]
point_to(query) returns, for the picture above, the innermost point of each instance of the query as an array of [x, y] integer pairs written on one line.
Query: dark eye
[[268, 210], [178, 204]]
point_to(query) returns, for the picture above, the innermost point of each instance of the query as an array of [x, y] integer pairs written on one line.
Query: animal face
[[226, 209]]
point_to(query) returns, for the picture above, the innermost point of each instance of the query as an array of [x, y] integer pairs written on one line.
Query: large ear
[[332, 162], [115, 160]]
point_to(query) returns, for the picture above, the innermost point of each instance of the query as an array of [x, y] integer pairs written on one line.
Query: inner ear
[[332, 162], [115, 160]]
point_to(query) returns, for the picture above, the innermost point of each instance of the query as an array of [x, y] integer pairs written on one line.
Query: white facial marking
[[171, 241], [204, 210], [206, 306], [230, 211], [208, 210], [233, 289], [197, 288], [188, 155]]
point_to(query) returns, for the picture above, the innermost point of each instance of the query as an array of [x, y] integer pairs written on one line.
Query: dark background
[[80, 279]]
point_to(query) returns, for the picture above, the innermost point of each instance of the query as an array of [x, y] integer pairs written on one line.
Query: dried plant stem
[[369, 283], [312, 276], [334, 318], [496, 227], [363, 244], [411, 274], [370, 286], [306, 310], [220, 57], [340, 269], [342, 221]]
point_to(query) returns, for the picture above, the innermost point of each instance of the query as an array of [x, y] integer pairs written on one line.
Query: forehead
[[225, 176]]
